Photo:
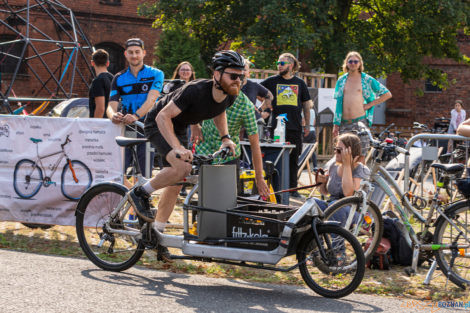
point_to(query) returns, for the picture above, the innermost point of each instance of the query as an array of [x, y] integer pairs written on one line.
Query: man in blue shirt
[[137, 88]]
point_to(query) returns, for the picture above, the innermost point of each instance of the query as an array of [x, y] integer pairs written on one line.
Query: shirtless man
[[356, 94]]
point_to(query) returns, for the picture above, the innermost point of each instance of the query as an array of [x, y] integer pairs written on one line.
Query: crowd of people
[[210, 114]]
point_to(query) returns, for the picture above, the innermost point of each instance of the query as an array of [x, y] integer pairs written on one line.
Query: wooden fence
[[314, 80]]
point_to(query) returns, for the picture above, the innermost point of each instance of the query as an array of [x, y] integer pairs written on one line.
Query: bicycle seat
[[126, 142], [35, 140], [449, 168]]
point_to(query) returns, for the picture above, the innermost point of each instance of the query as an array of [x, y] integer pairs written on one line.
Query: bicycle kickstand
[[427, 280]]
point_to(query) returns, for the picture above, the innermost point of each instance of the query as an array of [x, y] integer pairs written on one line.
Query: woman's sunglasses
[[234, 76], [282, 63], [353, 62], [338, 149]]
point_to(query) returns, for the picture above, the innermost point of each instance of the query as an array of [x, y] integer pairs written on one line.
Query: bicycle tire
[[346, 267], [372, 227], [459, 213], [117, 252], [25, 172], [72, 189]]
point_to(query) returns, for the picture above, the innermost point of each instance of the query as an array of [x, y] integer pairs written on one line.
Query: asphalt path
[[44, 283]]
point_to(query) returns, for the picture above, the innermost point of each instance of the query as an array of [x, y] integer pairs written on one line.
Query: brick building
[[407, 106], [106, 23]]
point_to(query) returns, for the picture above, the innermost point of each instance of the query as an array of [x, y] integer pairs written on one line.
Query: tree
[[392, 35], [174, 47]]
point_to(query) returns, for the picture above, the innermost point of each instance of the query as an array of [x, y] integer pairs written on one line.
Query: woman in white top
[[457, 116]]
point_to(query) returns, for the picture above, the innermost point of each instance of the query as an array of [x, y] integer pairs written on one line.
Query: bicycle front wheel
[[455, 264], [95, 228], [27, 178], [367, 228], [340, 271], [76, 179]]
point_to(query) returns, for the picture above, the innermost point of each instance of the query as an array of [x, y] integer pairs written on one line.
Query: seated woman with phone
[[344, 173]]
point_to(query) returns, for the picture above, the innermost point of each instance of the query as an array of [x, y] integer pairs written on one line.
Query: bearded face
[[231, 81]]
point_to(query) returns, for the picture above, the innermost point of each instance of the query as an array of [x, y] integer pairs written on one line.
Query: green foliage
[[174, 47], [392, 35]]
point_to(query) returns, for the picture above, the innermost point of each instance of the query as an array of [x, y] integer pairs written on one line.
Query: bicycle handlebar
[[386, 130], [199, 159], [67, 140], [386, 146]]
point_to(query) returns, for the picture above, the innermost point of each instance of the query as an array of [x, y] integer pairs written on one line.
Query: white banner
[[47, 163], [326, 99]]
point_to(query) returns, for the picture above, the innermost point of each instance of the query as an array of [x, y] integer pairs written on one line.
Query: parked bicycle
[[29, 176], [451, 239], [330, 259]]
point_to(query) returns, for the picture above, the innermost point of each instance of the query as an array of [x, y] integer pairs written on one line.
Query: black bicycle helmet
[[227, 58]]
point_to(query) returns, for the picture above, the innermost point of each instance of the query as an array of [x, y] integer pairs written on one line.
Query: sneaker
[[296, 194], [163, 254], [139, 198]]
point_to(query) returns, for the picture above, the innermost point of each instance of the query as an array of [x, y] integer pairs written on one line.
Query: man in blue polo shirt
[[137, 88]]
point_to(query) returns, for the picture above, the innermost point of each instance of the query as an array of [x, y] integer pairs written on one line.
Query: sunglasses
[[282, 63], [234, 76], [353, 62], [338, 149]]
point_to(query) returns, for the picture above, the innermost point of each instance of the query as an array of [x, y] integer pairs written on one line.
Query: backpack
[[172, 85], [401, 253], [382, 257]]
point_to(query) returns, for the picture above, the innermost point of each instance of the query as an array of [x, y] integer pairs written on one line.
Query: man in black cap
[[137, 88]]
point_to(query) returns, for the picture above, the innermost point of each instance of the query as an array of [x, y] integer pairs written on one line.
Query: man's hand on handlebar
[[183, 154], [227, 143]]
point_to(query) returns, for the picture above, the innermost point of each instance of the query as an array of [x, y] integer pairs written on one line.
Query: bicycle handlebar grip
[[178, 156], [402, 150]]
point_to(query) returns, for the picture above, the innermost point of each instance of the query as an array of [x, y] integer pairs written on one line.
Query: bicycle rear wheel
[[27, 178], [106, 249], [75, 180], [368, 227], [341, 271], [454, 264]]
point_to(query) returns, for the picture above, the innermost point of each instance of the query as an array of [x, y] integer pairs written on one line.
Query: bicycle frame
[[194, 249], [53, 168]]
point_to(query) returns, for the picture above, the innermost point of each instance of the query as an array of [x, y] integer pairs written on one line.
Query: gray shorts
[[355, 129]]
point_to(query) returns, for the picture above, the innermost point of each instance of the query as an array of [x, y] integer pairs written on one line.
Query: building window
[[9, 54], [117, 62], [110, 2], [430, 87]]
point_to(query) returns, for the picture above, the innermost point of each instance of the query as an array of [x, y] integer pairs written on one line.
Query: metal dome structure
[[41, 42]]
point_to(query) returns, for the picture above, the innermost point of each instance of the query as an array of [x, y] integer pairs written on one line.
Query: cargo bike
[[256, 234]]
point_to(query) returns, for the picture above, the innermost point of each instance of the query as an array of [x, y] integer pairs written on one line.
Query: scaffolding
[[57, 59]]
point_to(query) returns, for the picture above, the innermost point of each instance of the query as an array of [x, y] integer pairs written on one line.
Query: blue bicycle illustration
[[28, 176]]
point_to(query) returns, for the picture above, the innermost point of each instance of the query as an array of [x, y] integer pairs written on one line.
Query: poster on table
[[47, 163]]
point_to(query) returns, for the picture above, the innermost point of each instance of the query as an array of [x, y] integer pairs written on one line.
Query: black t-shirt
[[196, 103], [100, 87], [253, 90], [288, 97]]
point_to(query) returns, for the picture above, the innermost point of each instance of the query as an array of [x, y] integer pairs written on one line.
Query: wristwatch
[[225, 136], [138, 116]]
